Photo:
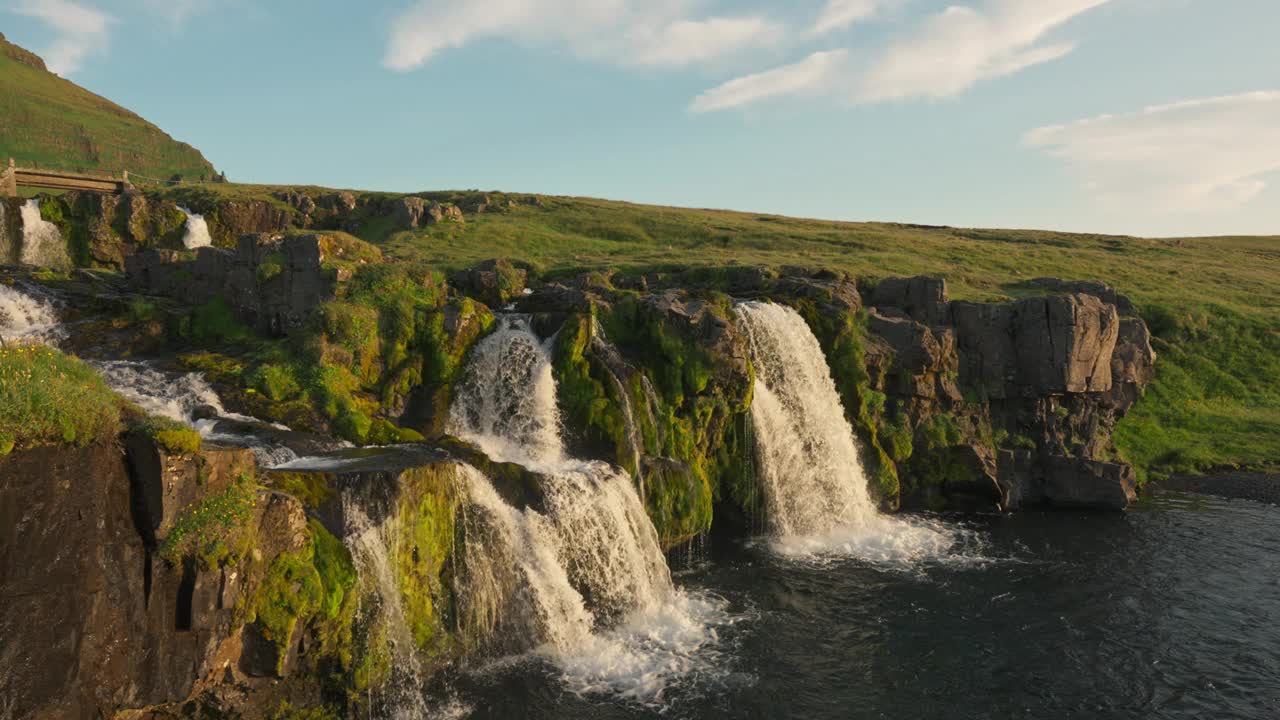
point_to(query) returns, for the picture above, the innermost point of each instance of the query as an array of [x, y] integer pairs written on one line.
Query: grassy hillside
[[50, 122], [1213, 303]]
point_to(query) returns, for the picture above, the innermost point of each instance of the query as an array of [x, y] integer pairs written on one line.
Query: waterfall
[[584, 582], [815, 490], [374, 547], [506, 403], [197, 231], [42, 244], [25, 318], [618, 372]]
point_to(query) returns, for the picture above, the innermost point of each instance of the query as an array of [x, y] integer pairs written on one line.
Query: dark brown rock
[[1064, 344], [922, 298]]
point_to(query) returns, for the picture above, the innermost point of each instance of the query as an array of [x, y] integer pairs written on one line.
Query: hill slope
[[50, 122]]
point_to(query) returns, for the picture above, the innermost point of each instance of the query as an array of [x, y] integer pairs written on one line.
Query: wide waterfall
[[25, 318], [42, 244], [583, 582], [196, 234], [808, 465]]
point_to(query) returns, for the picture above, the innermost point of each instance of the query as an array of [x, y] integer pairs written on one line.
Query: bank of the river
[[1263, 486]]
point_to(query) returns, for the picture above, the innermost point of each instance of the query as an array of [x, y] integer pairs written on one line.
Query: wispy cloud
[[840, 14], [175, 12], [79, 31], [962, 46], [1206, 155], [624, 32], [806, 76], [941, 57]]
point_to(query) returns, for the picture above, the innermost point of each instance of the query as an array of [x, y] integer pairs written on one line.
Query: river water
[[1169, 611]]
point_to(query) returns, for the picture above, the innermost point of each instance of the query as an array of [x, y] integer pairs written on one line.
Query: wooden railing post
[[9, 181]]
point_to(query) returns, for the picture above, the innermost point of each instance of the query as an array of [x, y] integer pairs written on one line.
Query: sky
[[1147, 117]]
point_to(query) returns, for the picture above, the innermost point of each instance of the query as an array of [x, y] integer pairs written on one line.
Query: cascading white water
[[586, 580], [815, 490], [25, 318], [177, 396], [42, 244], [506, 403], [196, 234]]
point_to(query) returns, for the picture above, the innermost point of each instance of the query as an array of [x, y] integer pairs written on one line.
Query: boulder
[[409, 211], [922, 298], [1084, 483], [1102, 291], [1064, 344]]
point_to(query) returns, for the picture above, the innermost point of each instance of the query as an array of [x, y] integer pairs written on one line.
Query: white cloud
[[1208, 155], [962, 46], [175, 12], [813, 72], [840, 14], [79, 30], [945, 55], [624, 32]]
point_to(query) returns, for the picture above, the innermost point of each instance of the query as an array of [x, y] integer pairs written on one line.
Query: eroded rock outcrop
[[273, 284]]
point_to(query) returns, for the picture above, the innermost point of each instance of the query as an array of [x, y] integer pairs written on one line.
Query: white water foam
[[814, 486], [177, 396], [197, 231], [42, 244], [25, 318], [584, 583]]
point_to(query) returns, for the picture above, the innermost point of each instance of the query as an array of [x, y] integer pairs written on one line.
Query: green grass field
[[49, 122]]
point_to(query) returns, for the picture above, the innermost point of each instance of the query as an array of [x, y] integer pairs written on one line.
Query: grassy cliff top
[[1213, 303], [51, 122]]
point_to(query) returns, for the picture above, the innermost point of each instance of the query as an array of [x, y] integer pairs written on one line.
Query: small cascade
[[25, 318], [196, 234], [374, 547], [584, 580], [42, 244], [177, 396], [808, 465], [506, 404]]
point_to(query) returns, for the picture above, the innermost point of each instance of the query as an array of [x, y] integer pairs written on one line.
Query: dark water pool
[[1169, 611]]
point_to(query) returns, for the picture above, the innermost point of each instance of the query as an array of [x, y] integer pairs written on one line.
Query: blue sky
[[1155, 117]]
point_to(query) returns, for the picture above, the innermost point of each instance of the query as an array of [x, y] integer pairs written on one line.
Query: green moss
[[292, 592], [214, 529], [175, 437], [384, 432], [212, 323], [277, 381], [426, 513], [312, 488], [270, 266]]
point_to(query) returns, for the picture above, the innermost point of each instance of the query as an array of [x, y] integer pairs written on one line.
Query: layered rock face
[[94, 619], [1033, 389], [273, 284]]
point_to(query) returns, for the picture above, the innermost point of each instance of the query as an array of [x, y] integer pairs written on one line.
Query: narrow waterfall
[[374, 547], [42, 244], [585, 582], [196, 234], [815, 490], [25, 318], [618, 373]]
